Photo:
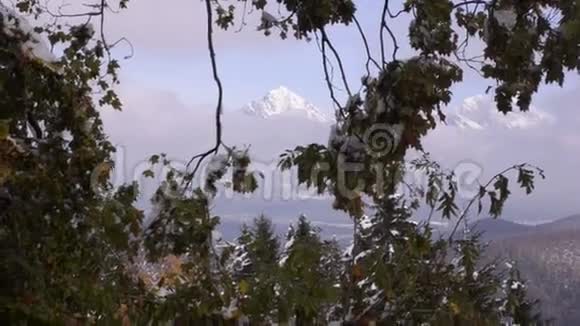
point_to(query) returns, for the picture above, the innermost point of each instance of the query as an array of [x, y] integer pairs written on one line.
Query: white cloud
[[479, 112], [181, 25], [156, 121], [548, 139]]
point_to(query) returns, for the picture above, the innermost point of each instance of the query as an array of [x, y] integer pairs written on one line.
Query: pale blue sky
[[171, 54], [169, 94], [249, 63]]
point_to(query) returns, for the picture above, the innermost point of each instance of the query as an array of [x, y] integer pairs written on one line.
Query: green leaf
[[447, 205], [244, 286], [526, 179], [4, 128], [154, 159]]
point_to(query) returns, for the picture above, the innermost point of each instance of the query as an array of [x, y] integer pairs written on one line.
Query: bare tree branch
[[391, 15], [124, 40], [395, 43], [328, 79], [367, 49], [385, 26], [102, 28], [218, 111], [326, 40], [461, 52], [381, 32]]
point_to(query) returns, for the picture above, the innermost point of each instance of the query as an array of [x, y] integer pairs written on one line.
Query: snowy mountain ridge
[[475, 113], [479, 113], [282, 101]]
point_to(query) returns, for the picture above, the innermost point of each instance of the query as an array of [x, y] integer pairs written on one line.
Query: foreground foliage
[[75, 250]]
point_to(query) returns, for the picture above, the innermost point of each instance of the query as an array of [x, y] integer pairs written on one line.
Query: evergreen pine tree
[[309, 276], [516, 304], [255, 269]]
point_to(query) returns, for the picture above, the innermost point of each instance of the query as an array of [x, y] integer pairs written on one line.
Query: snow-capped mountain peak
[[283, 102], [479, 113]]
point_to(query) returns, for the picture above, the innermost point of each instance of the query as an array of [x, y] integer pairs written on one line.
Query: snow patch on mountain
[[479, 112], [283, 102]]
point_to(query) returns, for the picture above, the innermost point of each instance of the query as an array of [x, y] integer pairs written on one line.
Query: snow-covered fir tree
[[515, 304], [255, 270]]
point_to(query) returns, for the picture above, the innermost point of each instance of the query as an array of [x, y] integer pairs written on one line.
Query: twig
[[479, 196], [326, 40], [218, 110], [394, 38], [124, 39], [328, 78], [367, 49], [381, 32], [243, 23], [390, 13], [385, 26]]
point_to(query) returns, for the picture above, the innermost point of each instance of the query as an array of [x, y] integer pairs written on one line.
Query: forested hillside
[[549, 256]]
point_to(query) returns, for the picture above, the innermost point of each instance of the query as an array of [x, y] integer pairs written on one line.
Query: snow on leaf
[[517, 285], [217, 163], [362, 255], [506, 18], [366, 222], [230, 311], [289, 243], [348, 251], [34, 46], [391, 249], [283, 260]]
